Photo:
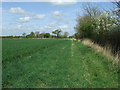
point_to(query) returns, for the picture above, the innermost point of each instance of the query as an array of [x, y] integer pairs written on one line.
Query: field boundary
[[106, 51]]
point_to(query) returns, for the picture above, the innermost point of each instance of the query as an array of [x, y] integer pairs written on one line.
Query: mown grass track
[[54, 63]]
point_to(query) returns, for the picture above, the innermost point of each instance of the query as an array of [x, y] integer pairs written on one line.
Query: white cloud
[[63, 2], [63, 26], [17, 10], [59, 2], [40, 16], [25, 19], [57, 13], [48, 27], [27, 15]]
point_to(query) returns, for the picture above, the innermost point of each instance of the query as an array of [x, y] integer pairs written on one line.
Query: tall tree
[[87, 23], [57, 32], [91, 10], [117, 9]]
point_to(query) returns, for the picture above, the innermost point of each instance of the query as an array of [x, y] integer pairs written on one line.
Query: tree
[[87, 23], [90, 10], [117, 3], [72, 36], [32, 33], [30, 36], [104, 22], [41, 35], [85, 26], [65, 34], [117, 10], [57, 32], [77, 36], [47, 35], [24, 34], [102, 27]]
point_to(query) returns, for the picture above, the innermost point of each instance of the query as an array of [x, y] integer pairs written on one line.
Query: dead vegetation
[[106, 51]]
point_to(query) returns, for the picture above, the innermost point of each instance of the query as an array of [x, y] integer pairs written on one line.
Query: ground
[[55, 63]]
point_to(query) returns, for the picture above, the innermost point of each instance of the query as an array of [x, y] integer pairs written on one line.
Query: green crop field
[[54, 63]]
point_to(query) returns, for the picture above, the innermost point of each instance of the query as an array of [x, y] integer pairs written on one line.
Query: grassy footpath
[[55, 64], [91, 68]]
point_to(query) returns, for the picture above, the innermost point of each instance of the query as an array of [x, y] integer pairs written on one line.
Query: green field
[[54, 63]]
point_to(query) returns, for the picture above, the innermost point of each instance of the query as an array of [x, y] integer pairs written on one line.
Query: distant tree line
[[102, 27], [55, 34]]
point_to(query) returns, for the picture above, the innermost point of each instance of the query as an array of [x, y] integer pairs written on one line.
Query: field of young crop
[[54, 63]]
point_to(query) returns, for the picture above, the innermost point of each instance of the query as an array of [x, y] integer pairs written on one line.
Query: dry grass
[[106, 51]]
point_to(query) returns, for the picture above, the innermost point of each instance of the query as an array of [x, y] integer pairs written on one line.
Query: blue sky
[[25, 17]]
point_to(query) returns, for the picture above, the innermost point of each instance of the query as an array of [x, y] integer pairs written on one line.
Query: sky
[[44, 17]]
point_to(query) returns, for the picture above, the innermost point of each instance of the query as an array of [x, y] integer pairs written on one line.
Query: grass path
[[66, 64], [91, 69]]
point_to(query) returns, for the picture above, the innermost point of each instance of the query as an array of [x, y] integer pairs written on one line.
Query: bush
[[103, 29], [30, 36]]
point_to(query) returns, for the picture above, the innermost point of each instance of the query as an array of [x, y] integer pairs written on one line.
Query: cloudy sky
[[25, 17]]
